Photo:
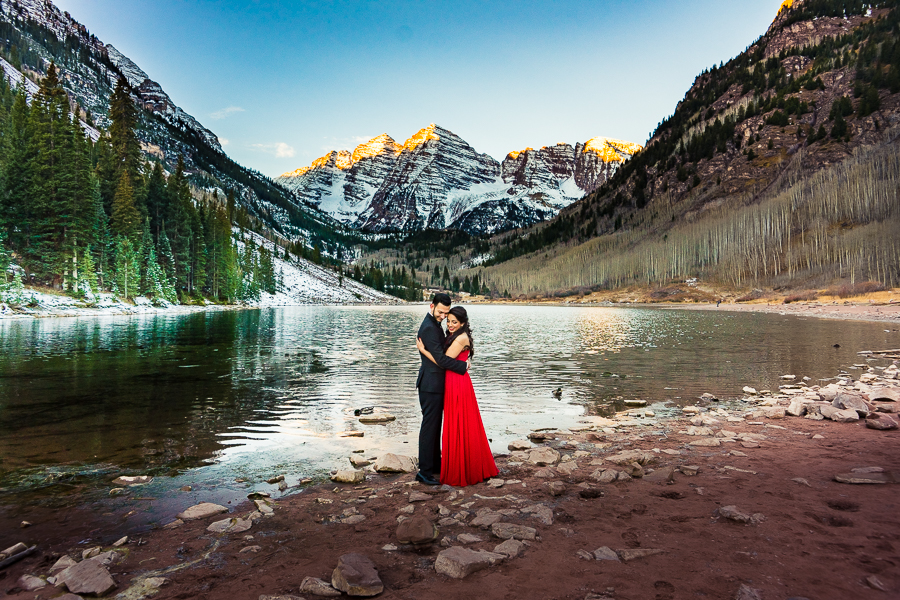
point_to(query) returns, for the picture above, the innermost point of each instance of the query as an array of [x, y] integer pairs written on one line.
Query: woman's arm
[[458, 345], [426, 353]]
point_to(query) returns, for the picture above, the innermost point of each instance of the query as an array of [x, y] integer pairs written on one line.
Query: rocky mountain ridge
[[38, 33], [778, 166], [435, 180]]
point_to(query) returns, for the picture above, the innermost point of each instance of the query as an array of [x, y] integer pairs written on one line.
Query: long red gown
[[466, 457]]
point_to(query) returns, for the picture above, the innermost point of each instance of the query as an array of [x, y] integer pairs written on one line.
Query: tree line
[[84, 217]]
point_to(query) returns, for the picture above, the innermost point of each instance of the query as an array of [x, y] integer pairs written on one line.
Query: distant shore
[[878, 306]]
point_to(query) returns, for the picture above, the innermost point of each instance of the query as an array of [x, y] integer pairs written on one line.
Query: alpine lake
[[213, 404]]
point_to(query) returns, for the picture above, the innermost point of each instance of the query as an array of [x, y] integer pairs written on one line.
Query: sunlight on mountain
[[421, 137], [611, 150]]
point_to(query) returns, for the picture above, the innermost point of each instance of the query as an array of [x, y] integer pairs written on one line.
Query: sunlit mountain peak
[[374, 147], [515, 153], [611, 150], [784, 6], [422, 136]]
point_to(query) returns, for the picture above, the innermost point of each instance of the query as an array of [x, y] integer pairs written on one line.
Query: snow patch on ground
[[304, 282]]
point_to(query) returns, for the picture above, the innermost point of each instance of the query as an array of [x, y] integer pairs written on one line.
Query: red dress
[[466, 457]]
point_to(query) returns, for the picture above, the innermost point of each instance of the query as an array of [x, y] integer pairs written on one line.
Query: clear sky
[[282, 83]]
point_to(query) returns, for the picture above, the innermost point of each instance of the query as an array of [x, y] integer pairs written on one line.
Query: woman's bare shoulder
[[462, 340]]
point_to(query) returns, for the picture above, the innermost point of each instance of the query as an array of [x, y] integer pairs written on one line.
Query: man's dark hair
[[441, 298]]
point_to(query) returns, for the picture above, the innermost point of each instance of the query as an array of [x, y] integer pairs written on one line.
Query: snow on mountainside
[[435, 180], [304, 282], [155, 99]]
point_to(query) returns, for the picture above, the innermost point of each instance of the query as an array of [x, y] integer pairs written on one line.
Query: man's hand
[[468, 365]]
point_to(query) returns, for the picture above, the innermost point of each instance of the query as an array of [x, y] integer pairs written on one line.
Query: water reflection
[[205, 398]]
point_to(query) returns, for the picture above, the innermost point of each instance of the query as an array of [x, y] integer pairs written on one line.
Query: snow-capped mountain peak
[[436, 180]]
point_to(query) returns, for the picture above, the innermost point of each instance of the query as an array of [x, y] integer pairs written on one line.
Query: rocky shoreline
[[786, 493]]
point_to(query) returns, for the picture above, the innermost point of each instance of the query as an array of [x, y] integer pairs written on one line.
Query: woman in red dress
[[466, 457]]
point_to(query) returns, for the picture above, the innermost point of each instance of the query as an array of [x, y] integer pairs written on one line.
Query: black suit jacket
[[431, 376]]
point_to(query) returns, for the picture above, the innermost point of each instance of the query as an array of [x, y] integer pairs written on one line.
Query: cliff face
[[435, 180]]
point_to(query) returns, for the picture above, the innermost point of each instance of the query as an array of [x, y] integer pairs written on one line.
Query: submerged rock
[[201, 511]]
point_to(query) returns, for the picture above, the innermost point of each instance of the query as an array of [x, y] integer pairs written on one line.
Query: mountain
[[37, 33], [435, 180], [778, 168]]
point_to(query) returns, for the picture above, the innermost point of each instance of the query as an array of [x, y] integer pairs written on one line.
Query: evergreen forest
[[86, 217]]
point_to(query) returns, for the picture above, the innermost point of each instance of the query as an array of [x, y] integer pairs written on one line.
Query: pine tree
[[178, 220], [87, 274], [250, 269], [99, 237], [126, 149], [16, 211], [125, 219], [157, 199], [153, 278], [167, 263], [128, 278]]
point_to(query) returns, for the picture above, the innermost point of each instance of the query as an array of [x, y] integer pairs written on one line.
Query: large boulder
[[349, 476], [544, 457], [851, 401], [458, 562], [848, 415], [629, 456], [510, 548], [395, 463], [881, 422], [417, 530], [30, 583], [517, 445], [201, 511], [231, 525], [317, 587], [355, 575], [87, 577], [885, 395], [511, 531]]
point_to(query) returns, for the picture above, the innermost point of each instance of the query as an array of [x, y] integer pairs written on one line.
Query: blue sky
[[282, 83]]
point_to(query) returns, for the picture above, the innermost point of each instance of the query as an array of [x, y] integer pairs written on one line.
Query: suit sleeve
[[433, 345]]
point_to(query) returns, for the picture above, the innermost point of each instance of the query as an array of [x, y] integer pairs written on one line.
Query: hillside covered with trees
[[779, 167]]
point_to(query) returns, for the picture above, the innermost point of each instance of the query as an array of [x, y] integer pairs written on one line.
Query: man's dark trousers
[[431, 394], [430, 434]]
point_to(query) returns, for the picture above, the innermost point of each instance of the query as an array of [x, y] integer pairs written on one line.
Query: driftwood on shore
[[17, 557]]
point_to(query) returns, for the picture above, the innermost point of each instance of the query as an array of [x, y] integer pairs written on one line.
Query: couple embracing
[[446, 396]]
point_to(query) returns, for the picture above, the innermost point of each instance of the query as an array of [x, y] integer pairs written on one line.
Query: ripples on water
[[251, 393]]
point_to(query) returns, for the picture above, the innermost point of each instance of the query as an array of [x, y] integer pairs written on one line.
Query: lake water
[[206, 399]]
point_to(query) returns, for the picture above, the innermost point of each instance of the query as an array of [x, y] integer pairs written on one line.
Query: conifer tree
[[152, 277], [126, 149], [178, 220], [157, 199], [16, 173], [128, 278], [125, 219], [60, 199], [166, 260], [87, 274]]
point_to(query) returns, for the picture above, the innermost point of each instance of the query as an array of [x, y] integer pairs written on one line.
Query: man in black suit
[[430, 384]]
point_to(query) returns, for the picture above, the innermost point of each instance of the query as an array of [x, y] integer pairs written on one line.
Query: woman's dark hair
[[463, 317]]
